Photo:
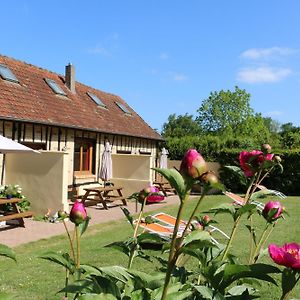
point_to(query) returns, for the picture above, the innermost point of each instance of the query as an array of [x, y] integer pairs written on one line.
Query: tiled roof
[[34, 101]]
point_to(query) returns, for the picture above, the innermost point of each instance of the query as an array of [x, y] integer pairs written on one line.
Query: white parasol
[[106, 164], [163, 164]]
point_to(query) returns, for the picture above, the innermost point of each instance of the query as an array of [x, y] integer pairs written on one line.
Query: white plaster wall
[[43, 178]]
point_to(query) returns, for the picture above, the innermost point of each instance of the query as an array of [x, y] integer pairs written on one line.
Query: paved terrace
[[36, 230]]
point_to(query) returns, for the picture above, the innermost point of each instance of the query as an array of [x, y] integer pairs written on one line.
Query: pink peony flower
[[288, 255], [272, 210], [152, 194], [193, 164], [251, 161], [78, 213]]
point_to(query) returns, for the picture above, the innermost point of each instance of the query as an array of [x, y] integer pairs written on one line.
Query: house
[[69, 122]]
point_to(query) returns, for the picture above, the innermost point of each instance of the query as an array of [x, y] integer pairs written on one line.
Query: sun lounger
[[166, 225], [238, 200], [273, 192]]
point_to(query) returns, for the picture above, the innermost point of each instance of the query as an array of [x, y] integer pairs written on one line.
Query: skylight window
[[96, 99], [7, 74], [124, 108], [55, 87]]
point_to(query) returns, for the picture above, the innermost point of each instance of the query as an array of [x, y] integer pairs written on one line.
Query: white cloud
[[274, 113], [262, 74], [260, 53], [99, 50], [179, 77], [164, 56]]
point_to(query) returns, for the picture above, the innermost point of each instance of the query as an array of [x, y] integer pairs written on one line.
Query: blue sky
[[165, 57]]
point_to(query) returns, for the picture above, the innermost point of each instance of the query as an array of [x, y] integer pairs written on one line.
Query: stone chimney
[[70, 78]]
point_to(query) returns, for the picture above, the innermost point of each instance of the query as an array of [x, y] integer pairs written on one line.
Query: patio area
[[36, 230]]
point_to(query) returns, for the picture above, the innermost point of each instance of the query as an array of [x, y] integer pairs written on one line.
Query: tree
[[273, 125], [225, 111], [180, 126]]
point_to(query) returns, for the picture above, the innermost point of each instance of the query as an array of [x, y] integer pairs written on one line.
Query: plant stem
[[172, 256], [260, 243], [251, 238], [78, 247], [133, 249], [70, 240], [232, 235]]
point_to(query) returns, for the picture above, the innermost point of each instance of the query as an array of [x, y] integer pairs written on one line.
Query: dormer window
[[7, 74], [123, 108], [96, 99], [55, 87]]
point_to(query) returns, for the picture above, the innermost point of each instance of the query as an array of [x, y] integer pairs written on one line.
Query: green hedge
[[287, 182]]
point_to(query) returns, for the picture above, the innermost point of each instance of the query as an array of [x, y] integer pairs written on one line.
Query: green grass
[[34, 278]]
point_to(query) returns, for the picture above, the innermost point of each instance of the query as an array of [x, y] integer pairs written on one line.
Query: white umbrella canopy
[[9, 146], [106, 164], [163, 163]]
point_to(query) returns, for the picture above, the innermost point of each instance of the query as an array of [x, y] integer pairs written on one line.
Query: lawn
[[34, 278]]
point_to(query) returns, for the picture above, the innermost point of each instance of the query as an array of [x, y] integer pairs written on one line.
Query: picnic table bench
[[15, 213], [103, 195]]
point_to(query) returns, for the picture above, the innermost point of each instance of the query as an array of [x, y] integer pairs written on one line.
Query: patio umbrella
[[9, 146], [163, 164], [106, 164]]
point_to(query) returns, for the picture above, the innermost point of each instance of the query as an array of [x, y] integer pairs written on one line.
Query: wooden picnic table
[[165, 187], [103, 195], [15, 213]]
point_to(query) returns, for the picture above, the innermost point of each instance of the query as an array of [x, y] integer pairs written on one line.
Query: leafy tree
[[272, 125], [180, 126], [225, 111]]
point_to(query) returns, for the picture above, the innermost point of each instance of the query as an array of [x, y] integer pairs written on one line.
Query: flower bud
[[193, 164], [62, 214], [266, 148], [277, 159], [210, 178], [272, 211], [78, 213], [205, 220]]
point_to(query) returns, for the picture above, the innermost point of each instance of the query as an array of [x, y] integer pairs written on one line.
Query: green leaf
[[61, 259], [203, 237], [204, 291], [128, 216], [288, 280], [223, 208], [7, 252], [149, 237], [84, 225], [250, 208], [175, 179]]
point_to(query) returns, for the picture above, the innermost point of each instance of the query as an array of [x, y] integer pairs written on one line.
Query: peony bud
[[210, 178], [272, 211], [193, 164], [266, 148], [62, 214], [277, 158], [205, 220], [78, 213]]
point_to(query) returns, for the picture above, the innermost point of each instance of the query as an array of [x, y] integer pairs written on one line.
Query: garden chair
[[271, 192]]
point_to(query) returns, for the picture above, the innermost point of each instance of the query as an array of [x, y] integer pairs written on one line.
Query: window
[[123, 107], [84, 156], [7, 74], [96, 99], [55, 87]]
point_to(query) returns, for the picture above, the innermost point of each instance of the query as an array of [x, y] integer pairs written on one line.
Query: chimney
[[70, 77]]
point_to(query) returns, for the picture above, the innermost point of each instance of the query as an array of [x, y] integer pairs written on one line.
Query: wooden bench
[[165, 187], [103, 195], [15, 214]]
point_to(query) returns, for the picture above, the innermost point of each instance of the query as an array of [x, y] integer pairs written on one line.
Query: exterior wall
[[136, 155], [43, 178]]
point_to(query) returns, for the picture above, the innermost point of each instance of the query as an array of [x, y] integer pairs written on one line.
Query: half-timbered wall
[[53, 138]]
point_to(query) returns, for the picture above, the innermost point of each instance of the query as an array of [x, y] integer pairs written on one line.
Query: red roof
[[32, 100]]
